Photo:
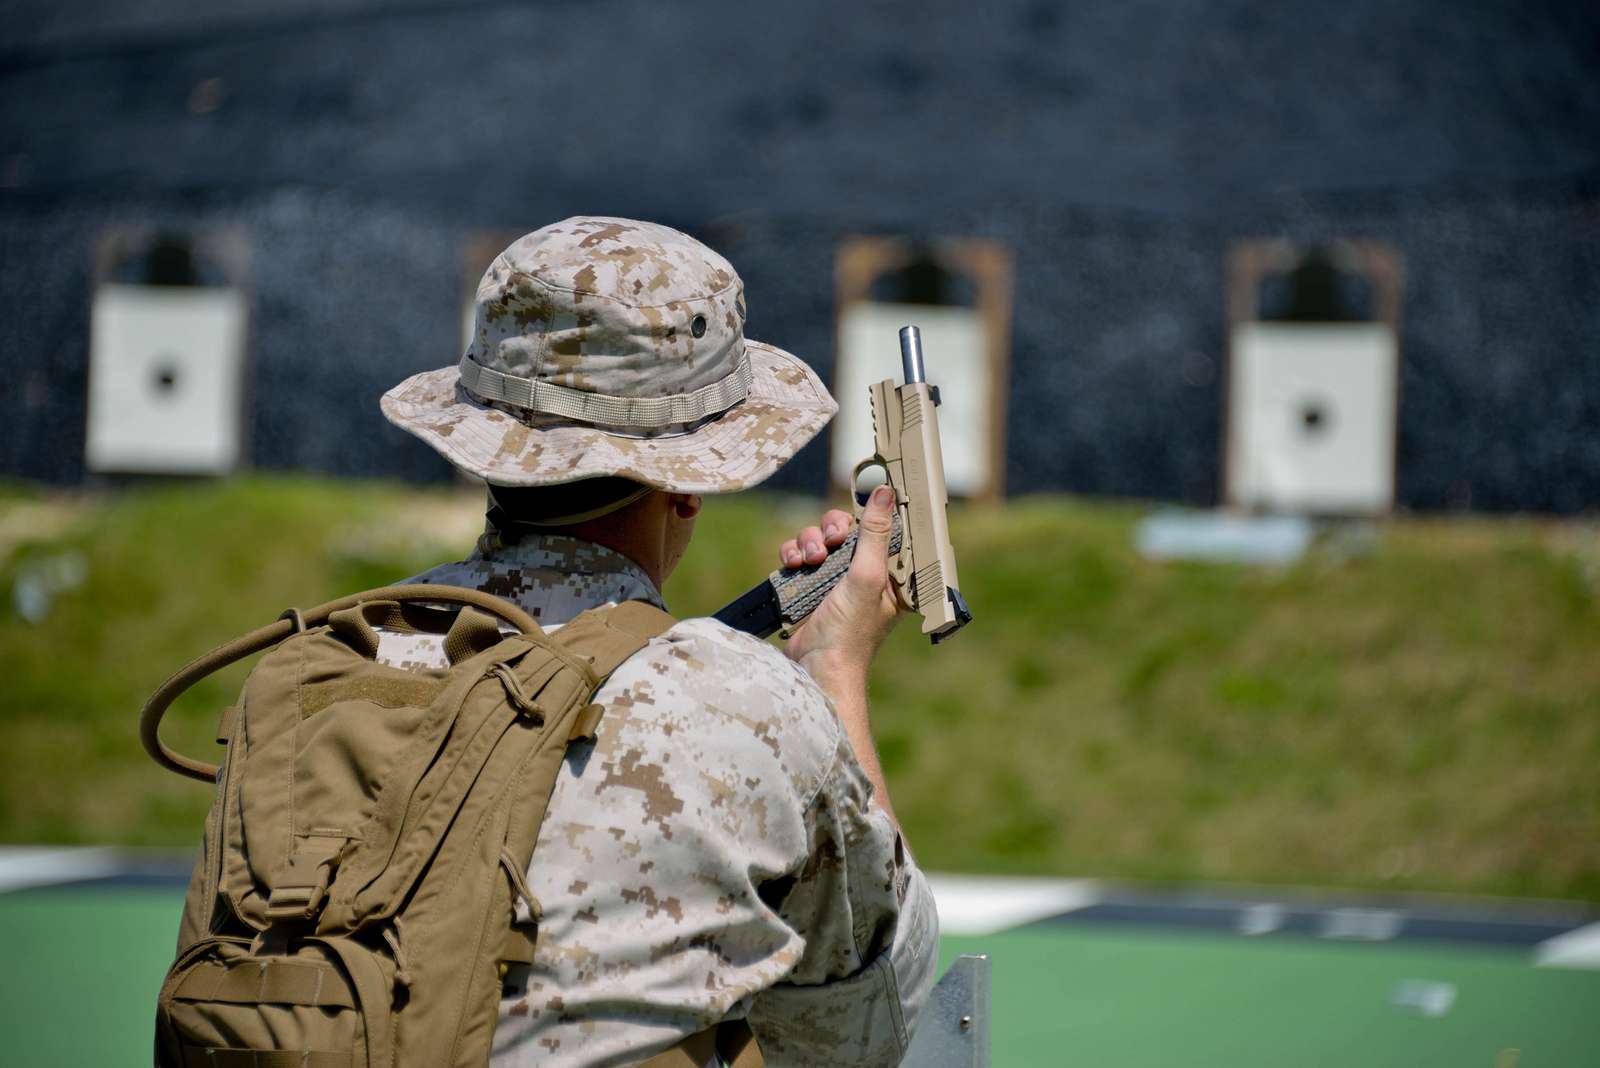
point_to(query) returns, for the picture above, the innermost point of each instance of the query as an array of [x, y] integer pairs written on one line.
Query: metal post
[[953, 1031]]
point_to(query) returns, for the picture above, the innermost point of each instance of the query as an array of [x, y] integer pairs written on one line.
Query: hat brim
[[786, 406]]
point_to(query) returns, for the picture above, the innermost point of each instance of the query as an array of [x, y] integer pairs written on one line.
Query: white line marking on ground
[[980, 905], [1578, 948], [1425, 997], [1361, 925], [1261, 918], [25, 866]]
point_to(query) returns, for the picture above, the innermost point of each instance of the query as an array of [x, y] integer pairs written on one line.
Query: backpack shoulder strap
[[606, 637]]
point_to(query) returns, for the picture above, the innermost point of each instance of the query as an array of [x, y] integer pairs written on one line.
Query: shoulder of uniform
[[713, 632], [717, 646], [704, 674]]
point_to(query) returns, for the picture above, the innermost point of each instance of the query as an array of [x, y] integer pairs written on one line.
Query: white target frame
[[1311, 410], [968, 354], [167, 363]]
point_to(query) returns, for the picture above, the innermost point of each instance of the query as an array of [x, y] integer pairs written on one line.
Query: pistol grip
[[801, 589]]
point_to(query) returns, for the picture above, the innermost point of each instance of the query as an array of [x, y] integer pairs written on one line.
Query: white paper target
[[165, 366], [1312, 417], [955, 359]]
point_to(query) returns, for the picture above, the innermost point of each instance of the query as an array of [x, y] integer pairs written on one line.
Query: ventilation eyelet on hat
[[698, 326]]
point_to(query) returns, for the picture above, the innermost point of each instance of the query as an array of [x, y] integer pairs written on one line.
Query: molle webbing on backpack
[[355, 902]]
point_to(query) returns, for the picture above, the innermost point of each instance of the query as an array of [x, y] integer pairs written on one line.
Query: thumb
[[877, 518], [872, 537]]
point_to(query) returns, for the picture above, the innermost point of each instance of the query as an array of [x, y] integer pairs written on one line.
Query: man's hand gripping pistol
[[922, 564]]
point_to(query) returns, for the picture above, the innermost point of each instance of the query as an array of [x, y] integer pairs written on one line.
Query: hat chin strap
[[500, 519], [602, 409]]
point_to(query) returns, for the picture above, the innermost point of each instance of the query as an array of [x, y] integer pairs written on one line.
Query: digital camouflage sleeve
[[715, 852]]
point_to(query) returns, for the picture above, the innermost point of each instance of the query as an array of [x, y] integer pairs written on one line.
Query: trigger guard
[[856, 504]]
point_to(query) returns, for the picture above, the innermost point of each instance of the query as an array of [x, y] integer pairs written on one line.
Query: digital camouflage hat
[[612, 347]]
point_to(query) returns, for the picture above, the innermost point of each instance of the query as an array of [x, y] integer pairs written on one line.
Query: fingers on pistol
[[811, 545], [806, 548]]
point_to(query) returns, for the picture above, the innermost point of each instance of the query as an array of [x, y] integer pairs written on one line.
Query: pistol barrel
[[911, 354]]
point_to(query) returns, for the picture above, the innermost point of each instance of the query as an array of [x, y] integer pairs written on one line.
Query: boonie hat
[[606, 346]]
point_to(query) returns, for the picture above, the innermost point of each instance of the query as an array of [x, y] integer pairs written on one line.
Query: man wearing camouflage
[[724, 848]]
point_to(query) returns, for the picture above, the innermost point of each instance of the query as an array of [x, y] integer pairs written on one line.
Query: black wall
[[1116, 148]]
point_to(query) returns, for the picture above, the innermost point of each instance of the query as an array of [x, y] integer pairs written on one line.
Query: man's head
[[608, 359], [608, 347]]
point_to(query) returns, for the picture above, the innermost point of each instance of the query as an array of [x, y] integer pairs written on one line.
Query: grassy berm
[[1416, 708]]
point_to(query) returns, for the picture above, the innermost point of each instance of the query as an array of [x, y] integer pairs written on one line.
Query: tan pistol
[[922, 563]]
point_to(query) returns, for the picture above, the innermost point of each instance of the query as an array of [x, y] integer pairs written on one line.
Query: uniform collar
[[551, 577]]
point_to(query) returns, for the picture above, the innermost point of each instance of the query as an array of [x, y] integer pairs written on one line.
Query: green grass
[[1421, 715]]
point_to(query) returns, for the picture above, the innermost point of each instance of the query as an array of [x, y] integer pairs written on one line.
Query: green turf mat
[[1141, 998], [82, 970]]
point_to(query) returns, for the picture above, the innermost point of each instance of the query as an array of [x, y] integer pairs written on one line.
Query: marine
[[723, 849]]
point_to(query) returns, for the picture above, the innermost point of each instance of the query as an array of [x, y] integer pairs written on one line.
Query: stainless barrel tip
[[911, 354]]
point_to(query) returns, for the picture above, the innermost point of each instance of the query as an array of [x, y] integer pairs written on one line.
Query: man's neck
[[623, 543], [636, 533]]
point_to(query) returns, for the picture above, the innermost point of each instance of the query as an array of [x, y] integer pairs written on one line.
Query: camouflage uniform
[[715, 851]]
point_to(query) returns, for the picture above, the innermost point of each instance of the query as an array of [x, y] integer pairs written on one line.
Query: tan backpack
[[354, 904]]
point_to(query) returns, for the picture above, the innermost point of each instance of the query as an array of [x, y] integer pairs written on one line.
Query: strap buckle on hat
[[603, 409]]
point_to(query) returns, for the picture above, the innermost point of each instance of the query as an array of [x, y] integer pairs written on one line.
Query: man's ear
[[685, 505]]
